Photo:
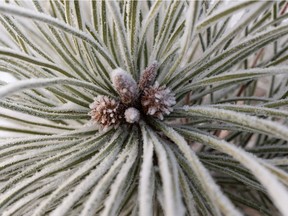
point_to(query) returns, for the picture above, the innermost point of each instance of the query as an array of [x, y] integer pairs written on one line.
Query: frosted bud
[[148, 75], [132, 115], [105, 112], [125, 85], [157, 101]]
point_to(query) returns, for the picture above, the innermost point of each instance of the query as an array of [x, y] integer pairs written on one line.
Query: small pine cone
[[106, 111], [148, 76], [125, 85], [157, 101]]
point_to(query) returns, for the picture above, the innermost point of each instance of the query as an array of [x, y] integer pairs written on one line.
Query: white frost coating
[[257, 110], [239, 75], [48, 145], [191, 205], [175, 175], [56, 110], [191, 17], [132, 115], [101, 188], [20, 158], [188, 35], [160, 198], [6, 78], [35, 139], [171, 207], [126, 77], [145, 190], [125, 85], [247, 44], [189, 26], [32, 14], [112, 203], [36, 194], [253, 13], [67, 156], [133, 27], [222, 13], [156, 5], [114, 9], [69, 106], [263, 125], [42, 83], [275, 189], [85, 185], [174, 7], [281, 174], [9, 53], [77, 175], [219, 200], [46, 113]]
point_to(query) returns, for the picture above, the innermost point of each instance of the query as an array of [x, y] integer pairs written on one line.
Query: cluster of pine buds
[[144, 98]]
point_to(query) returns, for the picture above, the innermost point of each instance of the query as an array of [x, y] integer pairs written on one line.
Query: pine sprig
[[143, 108]]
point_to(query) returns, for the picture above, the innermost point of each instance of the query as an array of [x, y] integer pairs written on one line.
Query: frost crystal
[[132, 115], [157, 101], [125, 85], [105, 111]]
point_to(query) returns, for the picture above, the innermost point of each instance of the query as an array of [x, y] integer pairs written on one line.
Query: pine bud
[[148, 76], [125, 85], [105, 112], [157, 101], [132, 115]]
